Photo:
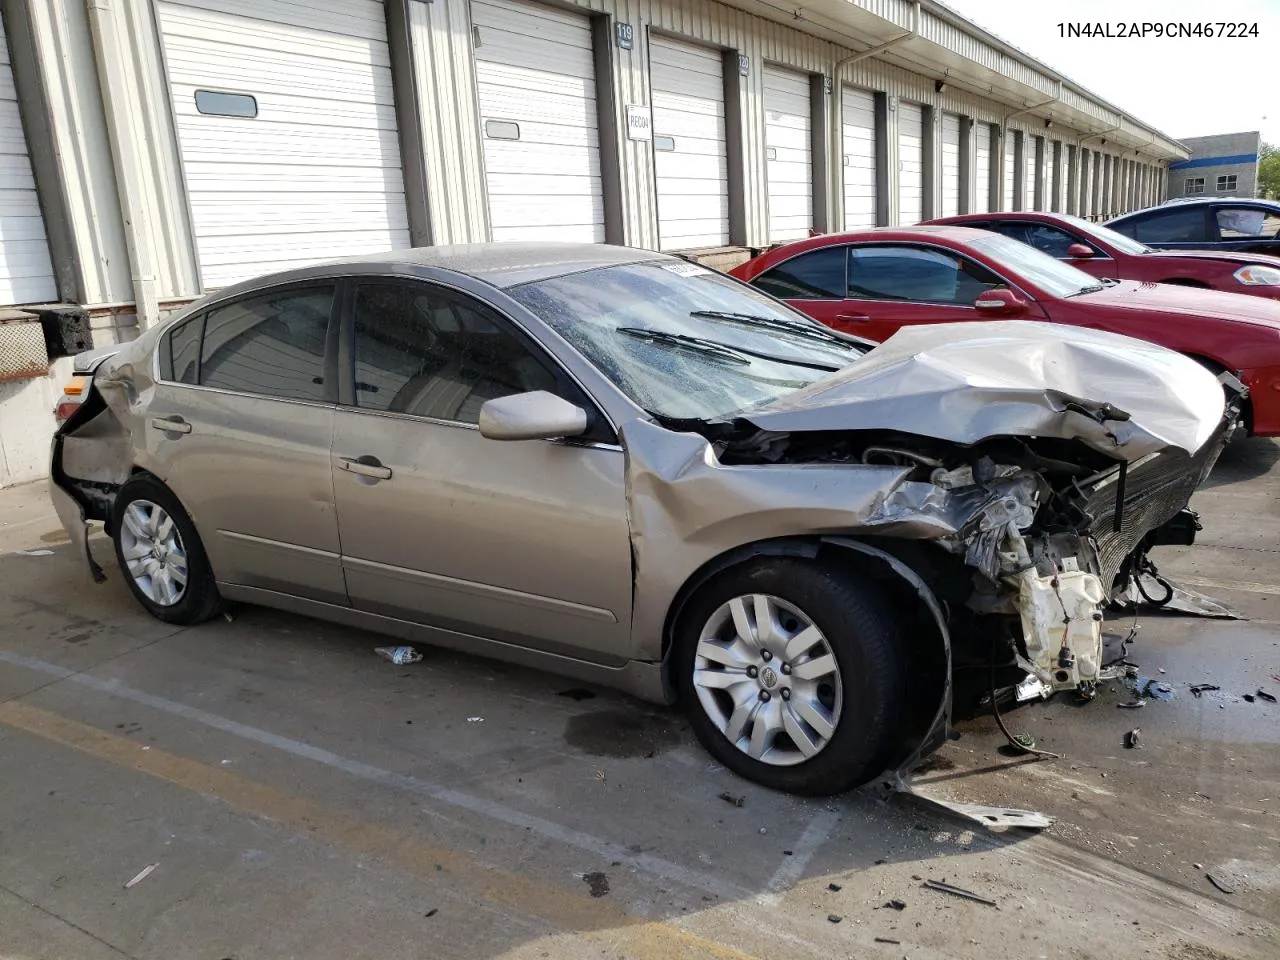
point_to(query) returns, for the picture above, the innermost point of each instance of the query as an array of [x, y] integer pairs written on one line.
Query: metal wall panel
[[444, 75]]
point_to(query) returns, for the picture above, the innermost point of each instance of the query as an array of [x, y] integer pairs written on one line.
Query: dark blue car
[[1208, 224]]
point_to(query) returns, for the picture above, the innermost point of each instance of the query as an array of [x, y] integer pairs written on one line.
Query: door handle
[[365, 466], [854, 317], [171, 424]]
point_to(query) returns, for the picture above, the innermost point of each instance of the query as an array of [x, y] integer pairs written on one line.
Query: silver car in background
[[627, 468]]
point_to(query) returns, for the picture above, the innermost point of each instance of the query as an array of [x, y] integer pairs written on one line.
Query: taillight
[[63, 411]]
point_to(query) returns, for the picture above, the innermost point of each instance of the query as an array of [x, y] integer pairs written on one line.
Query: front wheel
[[160, 554], [793, 675]]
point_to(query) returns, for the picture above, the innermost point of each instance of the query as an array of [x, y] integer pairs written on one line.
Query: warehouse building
[[158, 149], [1225, 165]]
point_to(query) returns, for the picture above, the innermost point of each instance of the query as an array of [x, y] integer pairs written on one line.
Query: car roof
[[951, 231], [506, 264], [961, 219], [1199, 201]]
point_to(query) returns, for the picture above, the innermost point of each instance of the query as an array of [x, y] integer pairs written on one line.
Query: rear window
[[272, 344]]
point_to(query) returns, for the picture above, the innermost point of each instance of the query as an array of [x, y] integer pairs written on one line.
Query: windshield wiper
[[724, 351], [772, 323], [709, 347], [1094, 288]]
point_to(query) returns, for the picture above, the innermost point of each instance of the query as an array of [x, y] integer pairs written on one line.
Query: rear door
[[240, 428], [1245, 227], [525, 542]]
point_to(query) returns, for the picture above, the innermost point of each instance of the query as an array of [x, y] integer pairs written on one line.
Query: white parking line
[[815, 835], [597, 846], [1244, 586]]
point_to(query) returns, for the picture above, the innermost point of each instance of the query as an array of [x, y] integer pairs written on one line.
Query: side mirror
[[1079, 251], [1000, 302], [537, 415]]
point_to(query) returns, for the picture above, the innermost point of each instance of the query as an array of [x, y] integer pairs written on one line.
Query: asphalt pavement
[[294, 795]]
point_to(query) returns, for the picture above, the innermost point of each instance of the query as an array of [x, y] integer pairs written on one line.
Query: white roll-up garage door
[[859, 149], [982, 168], [26, 274], [910, 163], [287, 130], [536, 78], [1029, 173], [788, 153], [690, 153], [950, 164], [1006, 202]]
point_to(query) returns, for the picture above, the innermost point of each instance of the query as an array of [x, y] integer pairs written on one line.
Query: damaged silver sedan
[[626, 468]]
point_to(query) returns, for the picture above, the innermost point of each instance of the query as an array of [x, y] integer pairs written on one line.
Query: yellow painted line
[[642, 939]]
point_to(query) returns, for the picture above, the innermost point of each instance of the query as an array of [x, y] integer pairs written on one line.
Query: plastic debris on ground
[[141, 875], [398, 655], [1199, 689], [1145, 686], [728, 797], [959, 892], [1263, 695], [1133, 739]]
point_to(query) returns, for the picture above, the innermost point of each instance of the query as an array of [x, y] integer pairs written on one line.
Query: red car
[[1106, 254], [873, 282]]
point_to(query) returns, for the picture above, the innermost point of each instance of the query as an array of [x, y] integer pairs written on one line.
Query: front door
[[239, 429], [524, 542], [892, 285]]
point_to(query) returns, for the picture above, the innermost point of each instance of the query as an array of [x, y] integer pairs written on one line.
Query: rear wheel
[[793, 675], [160, 554]]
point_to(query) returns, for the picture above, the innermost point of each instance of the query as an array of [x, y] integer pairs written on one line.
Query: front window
[[685, 342], [420, 352], [916, 274], [1227, 184], [1118, 240], [1056, 278], [1182, 224]]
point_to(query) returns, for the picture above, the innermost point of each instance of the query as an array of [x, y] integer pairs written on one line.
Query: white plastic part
[[1062, 625]]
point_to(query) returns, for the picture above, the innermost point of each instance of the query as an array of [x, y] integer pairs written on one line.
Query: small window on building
[[218, 103], [664, 144], [1193, 185], [1227, 184], [502, 130]]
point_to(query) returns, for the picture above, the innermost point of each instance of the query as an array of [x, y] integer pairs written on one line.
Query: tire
[[860, 696], [147, 514]]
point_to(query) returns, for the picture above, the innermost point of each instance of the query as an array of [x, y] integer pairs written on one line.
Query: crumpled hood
[[966, 382]]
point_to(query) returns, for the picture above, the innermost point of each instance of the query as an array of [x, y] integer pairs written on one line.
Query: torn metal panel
[[966, 382]]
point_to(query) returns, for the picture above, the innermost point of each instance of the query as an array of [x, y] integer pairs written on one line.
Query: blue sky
[[1184, 87]]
